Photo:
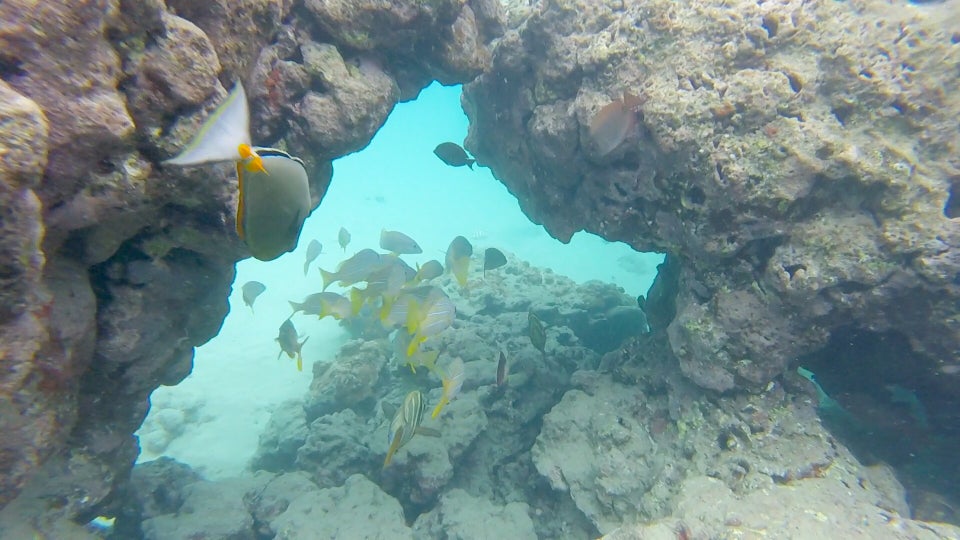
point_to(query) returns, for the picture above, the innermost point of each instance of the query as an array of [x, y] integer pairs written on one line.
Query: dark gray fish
[[288, 340], [502, 370], [399, 243], [538, 336], [493, 258], [313, 251], [251, 290], [453, 154]]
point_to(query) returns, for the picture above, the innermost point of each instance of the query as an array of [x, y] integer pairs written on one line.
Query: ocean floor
[[212, 419]]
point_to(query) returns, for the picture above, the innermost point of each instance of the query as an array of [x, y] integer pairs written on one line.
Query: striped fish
[[405, 423]]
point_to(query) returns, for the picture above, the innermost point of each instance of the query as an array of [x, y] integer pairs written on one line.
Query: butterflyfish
[[452, 383], [274, 189], [458, 259], [493, 258]]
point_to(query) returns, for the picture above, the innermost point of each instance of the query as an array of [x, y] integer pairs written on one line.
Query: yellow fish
[[452, 383]]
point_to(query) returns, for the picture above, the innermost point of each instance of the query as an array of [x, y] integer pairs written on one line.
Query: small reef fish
[[452, 383], [538, 336], [398, 243], [288, 340], [386, 283], [430, 269], [453, 154], [324, 304], [406, 422], [314, 249], [614, 123], [251, 290], [429, 318], [398, 312], [353, 270], [458, 259], [343, 238], [427, 359], [274, 188], [493, 258], [502, 370]]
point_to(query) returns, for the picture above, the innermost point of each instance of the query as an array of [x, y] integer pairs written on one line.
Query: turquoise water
[[213, 419]]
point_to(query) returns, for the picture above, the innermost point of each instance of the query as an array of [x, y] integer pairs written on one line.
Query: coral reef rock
[[116, 267], [801, 180]]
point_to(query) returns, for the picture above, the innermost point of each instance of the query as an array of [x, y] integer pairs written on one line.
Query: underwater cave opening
[[890, 404], [212, 420]]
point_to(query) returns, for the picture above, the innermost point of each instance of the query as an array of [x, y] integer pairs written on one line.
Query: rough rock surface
[[460, 516], [802, 173], [114, 267]]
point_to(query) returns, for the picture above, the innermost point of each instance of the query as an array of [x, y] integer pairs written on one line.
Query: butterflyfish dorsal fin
[[221, 135]]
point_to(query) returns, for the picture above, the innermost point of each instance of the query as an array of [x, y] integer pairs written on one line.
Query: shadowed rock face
[[800, 172], [112, 268]]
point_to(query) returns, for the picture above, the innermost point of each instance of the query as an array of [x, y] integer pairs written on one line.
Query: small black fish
[[493, 258], [453, 154]]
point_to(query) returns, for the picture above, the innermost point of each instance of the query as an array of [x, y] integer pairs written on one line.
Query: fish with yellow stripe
[[274, 187], [405, 423], [452, 383], [428, 318]]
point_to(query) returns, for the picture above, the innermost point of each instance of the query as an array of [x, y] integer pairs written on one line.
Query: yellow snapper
[[398, 243], [458, 259], [355, 269], [427, 359], [428, 271], [288, 340], [434, 315], [274, 189], [323, 304], [452, 383], [406, 422], [398, 311]]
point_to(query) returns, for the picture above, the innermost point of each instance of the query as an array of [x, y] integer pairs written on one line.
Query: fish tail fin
[[306, 266], [460, 269], [297, 306], [356, 300], [470, 163], [328, 278], [429, 360], [439, 407], [414, 345]]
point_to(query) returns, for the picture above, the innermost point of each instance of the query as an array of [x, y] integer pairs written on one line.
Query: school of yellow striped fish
[[273, 203]]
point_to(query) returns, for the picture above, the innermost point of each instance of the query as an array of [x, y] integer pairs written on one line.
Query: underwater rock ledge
[[115, 267], [795, 159]]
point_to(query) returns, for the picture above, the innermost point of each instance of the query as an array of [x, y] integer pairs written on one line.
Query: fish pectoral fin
[[429, 432]]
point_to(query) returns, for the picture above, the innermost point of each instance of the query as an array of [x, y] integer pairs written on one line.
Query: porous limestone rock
[[461, 516]]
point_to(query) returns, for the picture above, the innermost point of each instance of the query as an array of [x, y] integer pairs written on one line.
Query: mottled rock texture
[[799, 161], [114, 267]]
